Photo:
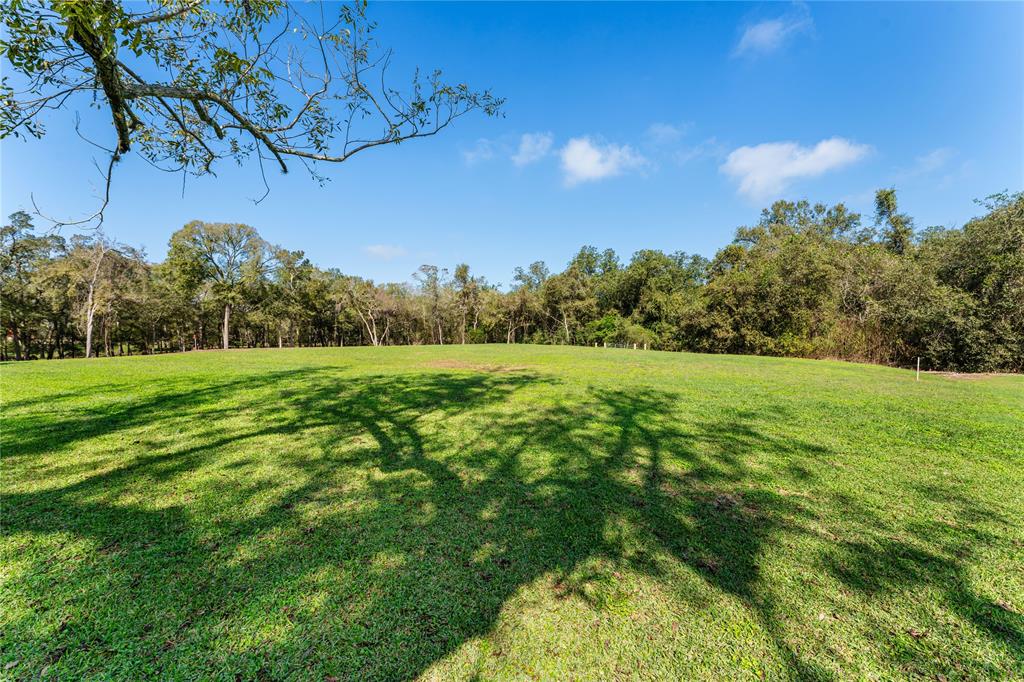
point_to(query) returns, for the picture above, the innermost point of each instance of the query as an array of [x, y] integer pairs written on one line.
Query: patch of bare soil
[[476, 367]]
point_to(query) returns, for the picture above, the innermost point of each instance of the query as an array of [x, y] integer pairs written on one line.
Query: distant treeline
[[807, 280]]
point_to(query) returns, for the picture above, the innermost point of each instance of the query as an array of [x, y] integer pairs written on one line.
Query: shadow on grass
[[365, 528]]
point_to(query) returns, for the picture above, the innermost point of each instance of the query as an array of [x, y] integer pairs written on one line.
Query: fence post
[[919, 368]]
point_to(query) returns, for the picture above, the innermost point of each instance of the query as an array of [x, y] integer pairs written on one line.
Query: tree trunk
[[17, 342], [90, 312], [227, 323]]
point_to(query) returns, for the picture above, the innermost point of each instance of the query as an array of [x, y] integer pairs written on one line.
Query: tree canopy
[[806, 280]]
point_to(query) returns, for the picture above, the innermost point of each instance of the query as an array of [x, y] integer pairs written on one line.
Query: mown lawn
[[508, 512]]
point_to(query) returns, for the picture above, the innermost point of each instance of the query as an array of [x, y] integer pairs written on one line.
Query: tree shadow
[[367, 527], [931, 554]]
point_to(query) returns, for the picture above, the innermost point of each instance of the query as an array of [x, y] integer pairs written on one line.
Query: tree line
[[807, 280]]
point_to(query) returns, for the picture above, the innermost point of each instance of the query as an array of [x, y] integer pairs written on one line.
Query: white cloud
[[532, 147], [483, 150], [666, 133], [584, 160], [765, 170], [385, 251], [769, 35]]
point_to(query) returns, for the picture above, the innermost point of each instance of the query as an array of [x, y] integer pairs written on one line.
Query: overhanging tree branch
[[166, 16], [189, 84]]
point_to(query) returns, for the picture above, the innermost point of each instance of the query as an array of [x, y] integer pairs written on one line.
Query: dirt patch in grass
[[475, 366]]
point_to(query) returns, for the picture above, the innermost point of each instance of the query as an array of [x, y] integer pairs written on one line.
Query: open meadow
[[496, 512]]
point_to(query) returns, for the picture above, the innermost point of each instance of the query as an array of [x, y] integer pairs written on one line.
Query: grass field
[[508, 512]]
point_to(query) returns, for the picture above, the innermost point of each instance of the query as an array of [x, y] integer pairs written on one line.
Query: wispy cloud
[[769, 35], [666, 133], [765, 170], [939, 167], [586, 160], [709, 148], [963, 171], [482, 150], [934, 160], [926, 164], [385, 251], [532, 147]]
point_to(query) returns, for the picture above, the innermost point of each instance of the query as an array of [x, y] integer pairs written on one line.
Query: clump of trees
[[806, 280]]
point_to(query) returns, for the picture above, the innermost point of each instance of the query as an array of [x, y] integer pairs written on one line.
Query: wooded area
[[806, 280]]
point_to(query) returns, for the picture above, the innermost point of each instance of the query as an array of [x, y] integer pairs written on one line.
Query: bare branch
[[166, 16], [96, 217]]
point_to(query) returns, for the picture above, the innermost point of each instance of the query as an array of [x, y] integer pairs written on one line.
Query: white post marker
[[919, 368]]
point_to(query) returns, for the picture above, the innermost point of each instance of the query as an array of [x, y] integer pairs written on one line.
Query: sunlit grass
[[508, 512]]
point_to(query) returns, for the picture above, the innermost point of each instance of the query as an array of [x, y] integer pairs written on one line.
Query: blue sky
[[627, 126]]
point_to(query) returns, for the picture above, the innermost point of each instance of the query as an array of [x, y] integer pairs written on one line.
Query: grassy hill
[[508, 512]]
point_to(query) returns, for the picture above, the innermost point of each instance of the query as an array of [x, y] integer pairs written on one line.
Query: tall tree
[[568, 300], [90, 261], [22, 254], [227, 257], [468, 290], [292, 271], [897, 228], [433, 284], [524, 306], [375, 307]]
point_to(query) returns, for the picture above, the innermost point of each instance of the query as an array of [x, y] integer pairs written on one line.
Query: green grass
[[508, 512]]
